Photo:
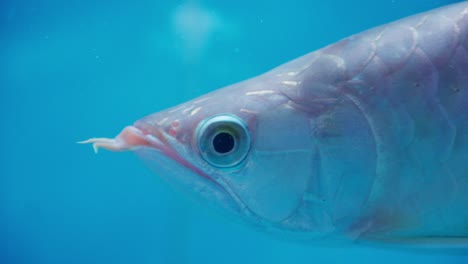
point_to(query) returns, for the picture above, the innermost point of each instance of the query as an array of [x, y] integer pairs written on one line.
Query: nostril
[[174, 128], [172, 131]]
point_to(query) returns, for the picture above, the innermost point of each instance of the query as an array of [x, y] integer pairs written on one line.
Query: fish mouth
[[162, 142], [171, 161]]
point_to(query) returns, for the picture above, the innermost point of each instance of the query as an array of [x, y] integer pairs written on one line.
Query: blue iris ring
[[223, 140]]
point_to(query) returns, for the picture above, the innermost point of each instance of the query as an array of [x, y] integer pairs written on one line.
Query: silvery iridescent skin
[[364, 139]]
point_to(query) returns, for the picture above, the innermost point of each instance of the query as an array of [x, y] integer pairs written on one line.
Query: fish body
[[365, 139]]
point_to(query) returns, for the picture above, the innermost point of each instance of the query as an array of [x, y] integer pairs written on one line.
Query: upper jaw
[[132, 138]]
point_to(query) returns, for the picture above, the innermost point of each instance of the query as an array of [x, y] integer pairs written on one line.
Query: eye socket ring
[[222, 140]]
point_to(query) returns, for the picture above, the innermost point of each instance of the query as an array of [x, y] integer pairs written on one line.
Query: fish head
[[244, 148]]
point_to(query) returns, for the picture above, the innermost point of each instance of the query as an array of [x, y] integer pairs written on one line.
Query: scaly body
[[364, 139]]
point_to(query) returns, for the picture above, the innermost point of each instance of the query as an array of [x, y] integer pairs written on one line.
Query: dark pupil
[[223, 142]]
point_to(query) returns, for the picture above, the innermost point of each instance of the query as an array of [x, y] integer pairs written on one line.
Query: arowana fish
[[365, 139]]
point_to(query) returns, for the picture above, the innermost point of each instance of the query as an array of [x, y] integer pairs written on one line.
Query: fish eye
[[222, 140]]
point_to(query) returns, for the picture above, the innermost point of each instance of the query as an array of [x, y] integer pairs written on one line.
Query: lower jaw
[[187, 181]]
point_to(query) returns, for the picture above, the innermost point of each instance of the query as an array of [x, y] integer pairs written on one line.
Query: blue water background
[[70, 70]]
